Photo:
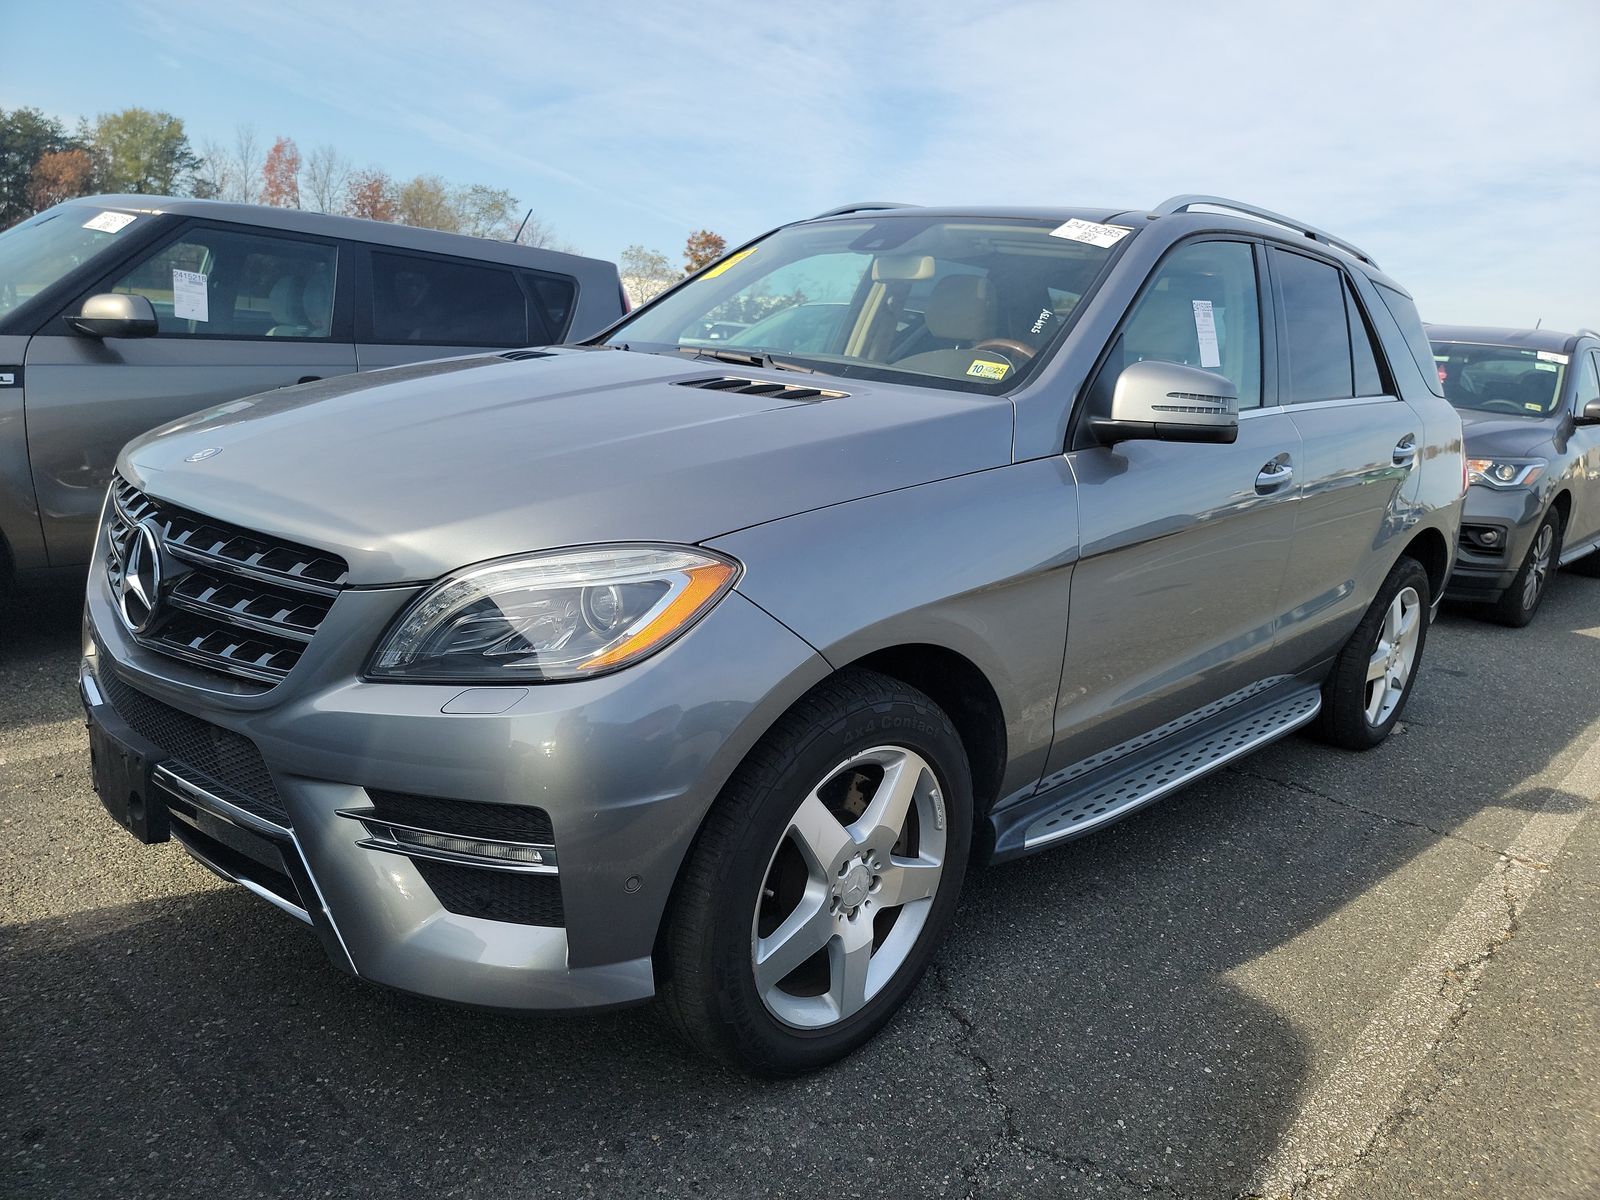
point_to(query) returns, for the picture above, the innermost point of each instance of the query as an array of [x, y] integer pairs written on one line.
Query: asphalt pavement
[[1316, 974]]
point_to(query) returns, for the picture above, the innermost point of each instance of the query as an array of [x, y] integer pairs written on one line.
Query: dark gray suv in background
[[1530, 403], [119, 313], [566, 678]]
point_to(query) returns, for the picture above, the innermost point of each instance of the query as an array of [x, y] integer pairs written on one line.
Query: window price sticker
[[1205, 331], [189, 301]]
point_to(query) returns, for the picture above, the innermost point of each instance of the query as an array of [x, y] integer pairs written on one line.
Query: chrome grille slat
[[245, 604]]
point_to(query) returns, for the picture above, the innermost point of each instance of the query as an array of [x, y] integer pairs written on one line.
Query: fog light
[[1490, 537]]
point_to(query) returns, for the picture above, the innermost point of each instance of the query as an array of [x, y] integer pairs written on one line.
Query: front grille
[[495, 895], [765, 387], [465, 818], [216, 759], [238, 603]]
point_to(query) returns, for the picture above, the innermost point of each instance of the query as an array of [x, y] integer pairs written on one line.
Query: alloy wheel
[[1538, 566], [1392, 660], [849, 887]]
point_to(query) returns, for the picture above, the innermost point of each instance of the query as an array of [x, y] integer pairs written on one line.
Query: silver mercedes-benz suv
[[706, 664]]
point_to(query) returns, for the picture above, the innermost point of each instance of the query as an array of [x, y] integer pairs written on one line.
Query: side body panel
[[980, 565], [21, 539], [1583, 447], [1176, 599]]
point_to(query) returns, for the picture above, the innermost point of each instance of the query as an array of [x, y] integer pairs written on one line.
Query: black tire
[[709, 989], [1343, 720], [1521, 599]]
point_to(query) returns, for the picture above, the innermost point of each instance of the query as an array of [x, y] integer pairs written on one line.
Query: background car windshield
[[964, 303], [1504, 379], [36, 253]]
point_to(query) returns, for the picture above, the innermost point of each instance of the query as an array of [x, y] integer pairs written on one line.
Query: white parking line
[[1339, 1119]]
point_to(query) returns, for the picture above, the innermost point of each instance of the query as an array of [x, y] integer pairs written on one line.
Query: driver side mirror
[[1169, 402], [112, 314], [1590, 414]]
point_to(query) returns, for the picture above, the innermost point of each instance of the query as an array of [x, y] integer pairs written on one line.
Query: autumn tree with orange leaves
[[280, 175]]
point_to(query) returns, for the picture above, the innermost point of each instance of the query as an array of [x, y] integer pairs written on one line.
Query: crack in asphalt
[[1389, 818], [1009, 1136]]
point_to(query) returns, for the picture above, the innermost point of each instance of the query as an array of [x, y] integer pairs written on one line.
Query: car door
[[1584, 524], [415, 307], [1175, 599], [1361, 446], [238, 311]]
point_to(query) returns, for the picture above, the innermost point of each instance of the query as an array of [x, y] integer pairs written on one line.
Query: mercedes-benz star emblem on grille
[[141, 577], [202, 455]]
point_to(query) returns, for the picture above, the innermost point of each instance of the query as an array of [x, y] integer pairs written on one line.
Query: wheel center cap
[[855, 885]]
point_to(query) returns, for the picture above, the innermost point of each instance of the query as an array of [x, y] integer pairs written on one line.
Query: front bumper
[[625, 766], [1482, 573]]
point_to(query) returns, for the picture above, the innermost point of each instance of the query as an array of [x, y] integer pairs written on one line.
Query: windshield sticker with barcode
[[1552, 357], [1088, 232], [189, 296], [987, 368], [109, 222]]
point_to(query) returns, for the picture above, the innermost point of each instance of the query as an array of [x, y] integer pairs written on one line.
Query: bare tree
[[646, 273], [243, 184], [327, 174]]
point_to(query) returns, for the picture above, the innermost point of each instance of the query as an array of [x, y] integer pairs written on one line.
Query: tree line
[[43, 162]]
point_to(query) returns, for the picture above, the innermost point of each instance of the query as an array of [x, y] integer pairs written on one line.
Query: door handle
[[1274, 477], [1405, 452]]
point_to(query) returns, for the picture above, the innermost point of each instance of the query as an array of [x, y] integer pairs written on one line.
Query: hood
[[415, 471], [1490, 434]]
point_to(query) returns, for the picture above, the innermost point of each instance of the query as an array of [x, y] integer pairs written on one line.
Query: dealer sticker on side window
[[987, 368], [1090, 233]]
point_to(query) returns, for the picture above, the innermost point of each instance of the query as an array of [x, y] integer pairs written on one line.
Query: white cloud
[[1453, 140]]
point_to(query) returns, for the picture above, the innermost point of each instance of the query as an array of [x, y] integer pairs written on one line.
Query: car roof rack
[[861, 206], [1177, 204]]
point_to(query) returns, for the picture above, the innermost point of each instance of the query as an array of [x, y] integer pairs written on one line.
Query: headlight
[[1505, 472], [556, 615]]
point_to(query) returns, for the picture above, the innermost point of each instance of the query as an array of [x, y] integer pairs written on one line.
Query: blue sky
[[1457, 142]]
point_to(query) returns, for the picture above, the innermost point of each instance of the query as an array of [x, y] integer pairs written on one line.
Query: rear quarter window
[[1404, 311]]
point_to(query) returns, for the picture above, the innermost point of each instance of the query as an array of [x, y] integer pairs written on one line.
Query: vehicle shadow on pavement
[[1141, 1010]]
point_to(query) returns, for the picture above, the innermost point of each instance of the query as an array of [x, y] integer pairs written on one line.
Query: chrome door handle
[[1405, 453], [1274, 477]]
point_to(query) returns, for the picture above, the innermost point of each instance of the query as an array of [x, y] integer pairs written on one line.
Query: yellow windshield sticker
[[1532, 407], [987, 368], [722, 266]]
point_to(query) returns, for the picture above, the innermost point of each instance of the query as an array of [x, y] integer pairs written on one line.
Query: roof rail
[[861, 206], [1177, 204]]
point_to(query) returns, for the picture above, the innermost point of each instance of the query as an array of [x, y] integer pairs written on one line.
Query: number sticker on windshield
[[1090, 233], [987, 368], [1551, 356], [109, 222]]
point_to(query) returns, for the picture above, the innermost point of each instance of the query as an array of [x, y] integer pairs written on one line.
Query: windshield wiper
[[746, 358]]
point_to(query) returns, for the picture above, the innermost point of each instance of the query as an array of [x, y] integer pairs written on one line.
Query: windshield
[[948, 302], [36, 253], [1503, 379]]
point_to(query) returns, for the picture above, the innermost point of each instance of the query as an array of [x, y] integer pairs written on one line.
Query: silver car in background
[[121, 313], [571, 677]]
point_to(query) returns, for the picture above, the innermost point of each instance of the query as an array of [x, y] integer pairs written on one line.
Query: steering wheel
[[1008, 345], [1498, 402]]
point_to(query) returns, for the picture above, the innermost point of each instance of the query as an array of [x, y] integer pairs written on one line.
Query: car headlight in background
[[553, 615], [1505, 472]]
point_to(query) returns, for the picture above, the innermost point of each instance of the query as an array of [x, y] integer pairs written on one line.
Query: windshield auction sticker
[[987, 368], [731, 260], [1550, 356], [189, 301], [1090, 233], [109, 222]]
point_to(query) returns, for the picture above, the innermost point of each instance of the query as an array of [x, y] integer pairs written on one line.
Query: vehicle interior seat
[[961, 309], [301, 307]]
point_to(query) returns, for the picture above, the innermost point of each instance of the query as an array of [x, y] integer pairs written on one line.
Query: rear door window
[[230, 284], [550, 314], [1316, 329], [446, 302], [1363, 349]]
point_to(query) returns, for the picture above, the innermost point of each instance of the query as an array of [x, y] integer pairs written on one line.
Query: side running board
[[1100, 797]]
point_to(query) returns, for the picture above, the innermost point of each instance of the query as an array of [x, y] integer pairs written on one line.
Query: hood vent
[[764, 387], [519, 355]]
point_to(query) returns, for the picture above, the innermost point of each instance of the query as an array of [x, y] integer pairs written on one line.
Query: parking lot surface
[[1317, 973]]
